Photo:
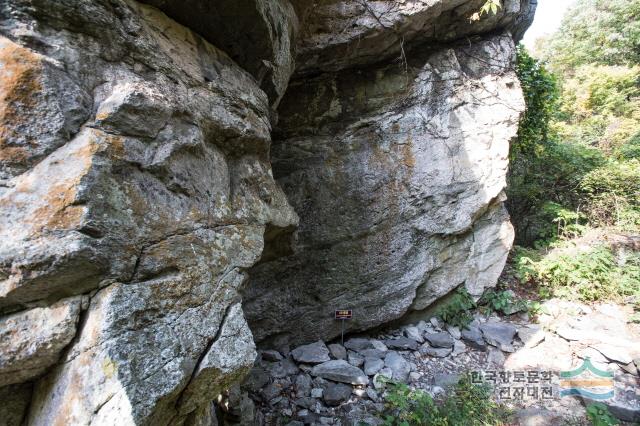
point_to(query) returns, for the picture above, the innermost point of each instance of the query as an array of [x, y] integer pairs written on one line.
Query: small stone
[[340, 371], [303, 413], [435, 352], [355, 359], [495, 357], [454, 331], [303, 385], [295, 422], [336, 393], [373, 353], [372, 366], [271, 355], [378, 345], [440, 340], [402, 343], [531, 335], [306, 402], [372, 394], [257, 378], [414, 376], [379, 379], [423, 327], [473, 337], [413, 333], [436, 323], [316, 392], [436, 390], [499, 334], [399, 366], [271, 391], [458, 348], [338, 351], [284, 368], [358, 343], [313, 353]]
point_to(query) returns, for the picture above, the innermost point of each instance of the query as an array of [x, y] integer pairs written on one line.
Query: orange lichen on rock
[[55, 205], [20, 87]]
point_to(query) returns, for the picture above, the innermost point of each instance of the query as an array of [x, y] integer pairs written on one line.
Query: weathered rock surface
[[31, 341], [340, 371], [135, 178], [313, 353], [397, 173]]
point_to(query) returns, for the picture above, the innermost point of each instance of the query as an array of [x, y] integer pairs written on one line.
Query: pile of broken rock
[[335, 384]]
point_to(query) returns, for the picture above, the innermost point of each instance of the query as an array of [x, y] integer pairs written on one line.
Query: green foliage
[[630, 150], [614, 194], [541, 92], [456, 310], [489, 7], [599, 415], [406, 406], [544, 172], [542, 190], [605, 32], [600, 106], [574, 162], [505, 302], [588, 275], [465, 404]]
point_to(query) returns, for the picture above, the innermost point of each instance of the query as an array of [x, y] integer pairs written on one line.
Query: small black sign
[[344, 314]]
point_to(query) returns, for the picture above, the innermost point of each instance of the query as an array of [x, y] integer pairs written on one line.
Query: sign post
[[342, 315]]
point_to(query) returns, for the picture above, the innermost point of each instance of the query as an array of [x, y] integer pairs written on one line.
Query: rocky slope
[[136, 186], [322, 384]]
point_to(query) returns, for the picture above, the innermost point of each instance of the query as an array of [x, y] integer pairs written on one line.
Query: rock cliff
[[392, 146], [138, 195]]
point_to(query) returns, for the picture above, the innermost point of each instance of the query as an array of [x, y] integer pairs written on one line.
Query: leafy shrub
[[599, 415], [456, 310], [630, 150], [465, 404], [588, 275], [614, 191], [542, 188], [506, 303]]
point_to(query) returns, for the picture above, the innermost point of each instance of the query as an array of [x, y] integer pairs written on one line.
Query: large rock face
[[137, 192], [396, 168]]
